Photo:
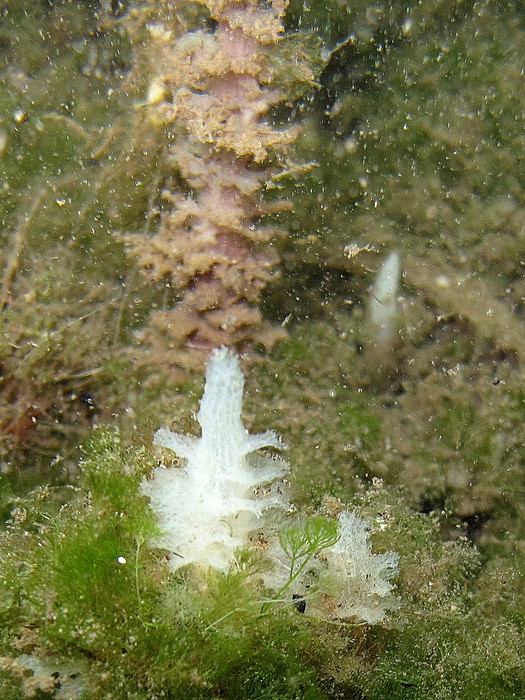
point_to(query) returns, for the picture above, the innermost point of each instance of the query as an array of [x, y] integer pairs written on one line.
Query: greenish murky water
[[413, 130]]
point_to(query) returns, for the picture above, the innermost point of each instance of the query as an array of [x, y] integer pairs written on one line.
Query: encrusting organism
[[383, 304], [208, 507], [356, 580], [212, 95]]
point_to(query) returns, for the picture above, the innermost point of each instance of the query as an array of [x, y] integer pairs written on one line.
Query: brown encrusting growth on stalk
[[212, 93]]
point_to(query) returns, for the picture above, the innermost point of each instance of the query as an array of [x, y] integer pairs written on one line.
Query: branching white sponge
[[359, 580], [207, 507]]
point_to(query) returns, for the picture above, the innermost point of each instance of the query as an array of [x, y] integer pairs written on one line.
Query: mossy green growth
[[459, 631], [83, 583], [452, 656], [87, 603]]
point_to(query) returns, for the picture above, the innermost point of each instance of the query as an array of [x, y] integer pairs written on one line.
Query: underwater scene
[[262, 350]]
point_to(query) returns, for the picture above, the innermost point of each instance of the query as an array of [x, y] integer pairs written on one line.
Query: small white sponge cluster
[[207, 507], [361, 579]]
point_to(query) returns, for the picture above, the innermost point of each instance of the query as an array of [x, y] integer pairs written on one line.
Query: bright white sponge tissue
[[383, 299], [360, 579], [207, 507]]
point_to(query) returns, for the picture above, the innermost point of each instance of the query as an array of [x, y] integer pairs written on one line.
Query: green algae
[[79, 583]]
